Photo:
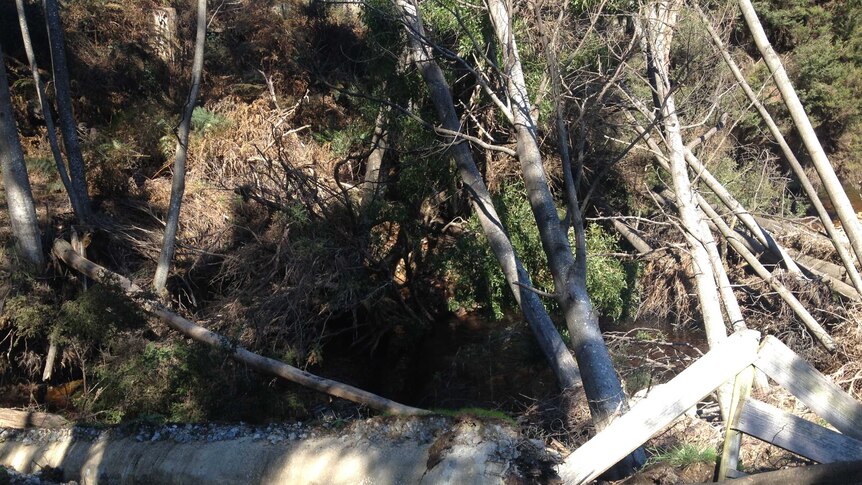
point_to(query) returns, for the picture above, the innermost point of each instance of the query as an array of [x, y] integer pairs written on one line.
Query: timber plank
[[732, 439], [797, 435], [815, 390], [660, 408]]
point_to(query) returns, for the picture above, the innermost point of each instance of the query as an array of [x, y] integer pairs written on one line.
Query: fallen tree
[[63, 250]]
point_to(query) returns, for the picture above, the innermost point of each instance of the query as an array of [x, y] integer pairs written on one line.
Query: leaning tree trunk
[[658, 26], [601, 384], [725, 288], [178, 186], [558, 356], [658, 31], [16, 184], [810, 191], [831, 184], [77, 171]]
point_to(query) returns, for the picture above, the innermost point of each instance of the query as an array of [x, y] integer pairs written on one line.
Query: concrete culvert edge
[[382, 450]]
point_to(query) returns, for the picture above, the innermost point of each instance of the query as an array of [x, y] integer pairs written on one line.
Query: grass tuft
[[683, 455]]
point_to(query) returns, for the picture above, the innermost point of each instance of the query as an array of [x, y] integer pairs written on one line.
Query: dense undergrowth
[[278, 252]]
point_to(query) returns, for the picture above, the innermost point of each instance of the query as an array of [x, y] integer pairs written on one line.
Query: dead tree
[[810, 191], [658, 21], [178, 186]]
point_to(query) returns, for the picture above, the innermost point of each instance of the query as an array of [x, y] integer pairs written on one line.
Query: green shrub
[[96, 314], [477, 280], [183, 382], [160, 379]]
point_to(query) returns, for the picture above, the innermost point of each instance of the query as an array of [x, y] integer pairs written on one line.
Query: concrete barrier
[[428, 450]]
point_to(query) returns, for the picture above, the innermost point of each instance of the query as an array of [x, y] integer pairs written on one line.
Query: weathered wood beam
[[660, 408], [840, 473], [63, 250], [795, 434], [732, 438], [815, 390]]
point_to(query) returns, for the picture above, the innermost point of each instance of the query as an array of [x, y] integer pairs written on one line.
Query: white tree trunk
[[728, 298], [178, 185], [824, 168], [810, 191], [16, 184], [659, 22]]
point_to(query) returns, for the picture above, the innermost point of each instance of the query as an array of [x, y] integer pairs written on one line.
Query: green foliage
[[758, 186], [204, 120], [343, 140], [164, 379], [610, 282], [683, 455], [423, 174], [29, 316], [478, 281], [181, 382], [97, 314], [456, 25], [822, 41], [91, 318]]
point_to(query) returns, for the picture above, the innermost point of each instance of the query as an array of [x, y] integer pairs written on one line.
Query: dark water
[[853, 193], [471, 361]]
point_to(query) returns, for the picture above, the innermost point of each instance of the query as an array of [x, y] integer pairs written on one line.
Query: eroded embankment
[[375, 451]]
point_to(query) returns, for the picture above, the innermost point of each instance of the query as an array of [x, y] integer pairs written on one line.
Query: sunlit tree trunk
[[821, 163], [77, 171], [371, 184], [810, 191], [658, 23], [178, 185], [16, 184], [555, 351], [601, 384]]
